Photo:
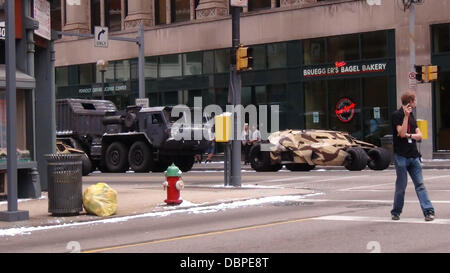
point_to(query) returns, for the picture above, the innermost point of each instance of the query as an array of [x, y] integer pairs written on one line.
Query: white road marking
[[373, 201], [382, 219], [323, 180]]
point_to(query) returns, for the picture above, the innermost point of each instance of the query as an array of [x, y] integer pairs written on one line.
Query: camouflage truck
[[138, 138], [302, 150]]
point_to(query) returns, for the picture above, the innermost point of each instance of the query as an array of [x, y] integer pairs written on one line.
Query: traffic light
[[432, 73], [420, 73], [244, 58]]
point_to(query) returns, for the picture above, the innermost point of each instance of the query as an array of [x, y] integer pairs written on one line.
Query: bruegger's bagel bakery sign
[[342, 68]]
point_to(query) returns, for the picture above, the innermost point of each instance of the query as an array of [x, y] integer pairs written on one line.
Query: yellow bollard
[[423, 126]]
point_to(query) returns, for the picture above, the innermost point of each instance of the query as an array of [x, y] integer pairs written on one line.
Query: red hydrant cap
[[173, 171]]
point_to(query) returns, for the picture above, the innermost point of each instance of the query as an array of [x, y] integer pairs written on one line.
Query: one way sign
[[101, 37]]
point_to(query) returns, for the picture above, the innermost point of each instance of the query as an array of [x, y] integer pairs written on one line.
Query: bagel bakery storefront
[[349, 84]]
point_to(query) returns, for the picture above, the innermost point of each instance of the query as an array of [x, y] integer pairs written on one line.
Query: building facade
[[331, 64]]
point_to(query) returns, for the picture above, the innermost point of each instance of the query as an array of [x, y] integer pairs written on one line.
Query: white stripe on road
[[381, 219], [323, 180], [371, 201]]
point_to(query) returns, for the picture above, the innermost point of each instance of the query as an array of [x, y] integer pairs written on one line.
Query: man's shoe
[[395, 217], [429, 217]]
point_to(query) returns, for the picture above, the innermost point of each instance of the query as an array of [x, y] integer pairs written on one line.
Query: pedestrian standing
[[246, 143], [407, 157], [256, 135]]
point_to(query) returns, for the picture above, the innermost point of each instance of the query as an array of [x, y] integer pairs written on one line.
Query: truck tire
[[301, 167], [116, 157], [357, 160], [140, 157], [184, 163], [86, 165], [260, 161], [380, 159]]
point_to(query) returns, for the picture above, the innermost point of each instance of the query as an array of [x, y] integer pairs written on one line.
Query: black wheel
[[380, 159], [140, 157], [116, 158], [276, 167], [86, 165], [260, 161], [184, 163], [357, 159], [300, 167]]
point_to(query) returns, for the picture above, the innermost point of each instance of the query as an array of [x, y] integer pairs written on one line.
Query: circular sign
[[345, 110], [412, 75]]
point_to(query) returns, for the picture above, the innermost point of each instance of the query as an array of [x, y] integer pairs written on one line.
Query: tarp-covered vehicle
[[302, 150]]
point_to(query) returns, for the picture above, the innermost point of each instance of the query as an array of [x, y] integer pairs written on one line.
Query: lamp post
[[102, 66]]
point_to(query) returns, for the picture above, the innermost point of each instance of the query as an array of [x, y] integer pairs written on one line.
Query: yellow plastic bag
[[100, 199]]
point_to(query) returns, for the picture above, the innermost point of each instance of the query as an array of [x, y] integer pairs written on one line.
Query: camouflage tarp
[[315, 147]]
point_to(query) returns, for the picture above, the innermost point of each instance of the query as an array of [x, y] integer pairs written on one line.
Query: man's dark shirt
[[401, 145]]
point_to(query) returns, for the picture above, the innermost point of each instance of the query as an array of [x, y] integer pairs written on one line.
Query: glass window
[[74, 75], [277, 55], [122, 70], [95, 14], [180, 10], [222, 60], [314, 51], [374, 45], [376, 109], [170, 66], [160, 12], [62, 76], [87, 73], [192, 63], [316, 105], [258, 4], [151, 67], [171, 98], [260, 95], [55, 13], [113, 17], [343, 48], [441, 38], [208, 62], [109, 74], [259, 57]]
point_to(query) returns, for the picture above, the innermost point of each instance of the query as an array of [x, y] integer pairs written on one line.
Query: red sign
[[340, 64], [345, 110]]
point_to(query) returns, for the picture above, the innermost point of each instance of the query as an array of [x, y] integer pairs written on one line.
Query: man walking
[[407, 157]]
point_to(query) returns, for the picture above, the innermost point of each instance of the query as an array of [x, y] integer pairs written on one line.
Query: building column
[[139, 12], [212, 8], [77, 17]]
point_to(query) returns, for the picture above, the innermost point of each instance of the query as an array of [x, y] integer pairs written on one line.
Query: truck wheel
[[86, 165], [260, 161], [140, 157], [184, 163], [305, 167], [116, 157], [380, 159], [357, 160]]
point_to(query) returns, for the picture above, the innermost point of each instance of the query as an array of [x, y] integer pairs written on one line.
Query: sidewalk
[[137, 200]]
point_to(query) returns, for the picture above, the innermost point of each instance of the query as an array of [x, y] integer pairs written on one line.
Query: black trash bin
[[387, 143], [64, 174]]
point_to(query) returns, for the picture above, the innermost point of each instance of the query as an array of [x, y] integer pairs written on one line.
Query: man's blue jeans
[[403, 166]]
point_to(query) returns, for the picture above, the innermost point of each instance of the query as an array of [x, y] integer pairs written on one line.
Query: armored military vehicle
[[142, 139], [302, 150]]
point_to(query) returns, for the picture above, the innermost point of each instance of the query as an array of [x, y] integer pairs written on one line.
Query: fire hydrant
[[174, 185]]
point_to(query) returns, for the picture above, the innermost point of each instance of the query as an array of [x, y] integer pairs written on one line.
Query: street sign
[[239, 3], [412, 75], [2, 31], [142, 102], [101, 37], [43, 16]]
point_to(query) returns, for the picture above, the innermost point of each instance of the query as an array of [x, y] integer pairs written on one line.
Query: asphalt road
[[352, 214]]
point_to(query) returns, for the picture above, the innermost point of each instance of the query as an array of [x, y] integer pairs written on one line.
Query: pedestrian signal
[[244, 58]]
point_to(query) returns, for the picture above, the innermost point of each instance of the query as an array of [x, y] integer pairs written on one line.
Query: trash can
[[387, 143], [64, 174]]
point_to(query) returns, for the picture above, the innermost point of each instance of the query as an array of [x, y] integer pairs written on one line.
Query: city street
[[347, 212]]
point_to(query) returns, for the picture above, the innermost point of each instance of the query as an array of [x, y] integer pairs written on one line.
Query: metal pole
[[141, 43], [235, 85], [103, 84], [412, 42], [11, 107]]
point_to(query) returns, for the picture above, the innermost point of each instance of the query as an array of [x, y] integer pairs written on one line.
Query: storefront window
[[170, 66], [277, 55], [258, 4], [375, 109], [441, 38], [192, 63], [62, 76], [374, 45], [171, 98], [259, 57], [87, 73], [151, 67], [122, 70], [442, 112], [222, 60], [109, 74], [316, 105], [181, 10], [314, 51], [343, 48]]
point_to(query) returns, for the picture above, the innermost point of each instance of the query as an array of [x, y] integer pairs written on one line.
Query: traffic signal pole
[[412, 42], [235, 87]]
